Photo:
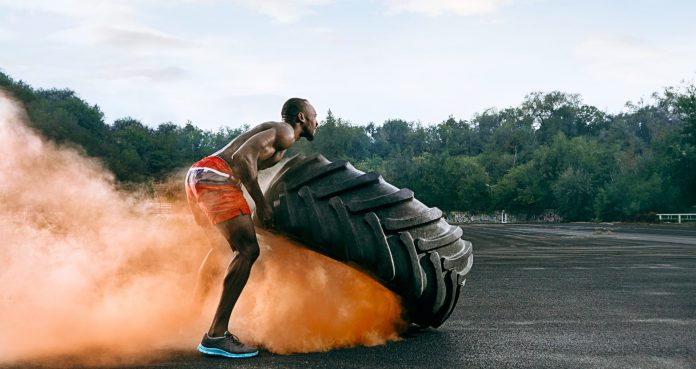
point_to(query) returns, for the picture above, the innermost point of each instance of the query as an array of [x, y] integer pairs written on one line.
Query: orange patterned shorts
[[214, 192]]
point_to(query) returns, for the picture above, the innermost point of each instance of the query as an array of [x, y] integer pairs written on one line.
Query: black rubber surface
[[360, 219]]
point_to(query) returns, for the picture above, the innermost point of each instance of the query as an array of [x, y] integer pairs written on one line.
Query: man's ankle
[[216, 334]]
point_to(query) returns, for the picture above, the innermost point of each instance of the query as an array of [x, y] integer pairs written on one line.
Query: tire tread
[[360, 219]]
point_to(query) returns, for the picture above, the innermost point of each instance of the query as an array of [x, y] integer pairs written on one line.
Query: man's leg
[[239, 232]]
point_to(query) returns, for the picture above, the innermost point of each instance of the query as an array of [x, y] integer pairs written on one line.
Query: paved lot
[[540, 296]]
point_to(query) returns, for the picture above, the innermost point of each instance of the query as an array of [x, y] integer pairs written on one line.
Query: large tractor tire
[[360, 219]]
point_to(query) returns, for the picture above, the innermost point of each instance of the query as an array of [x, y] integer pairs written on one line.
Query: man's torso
[[228, 152]]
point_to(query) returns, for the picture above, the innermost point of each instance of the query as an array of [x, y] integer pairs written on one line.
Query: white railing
[[678, 217]]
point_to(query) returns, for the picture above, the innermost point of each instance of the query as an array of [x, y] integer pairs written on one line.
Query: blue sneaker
[[227, 346]]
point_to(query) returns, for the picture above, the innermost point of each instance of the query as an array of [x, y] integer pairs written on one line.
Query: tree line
[[551, 152], [133, 151]]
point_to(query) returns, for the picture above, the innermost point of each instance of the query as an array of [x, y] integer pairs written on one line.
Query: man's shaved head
[[291, 108]]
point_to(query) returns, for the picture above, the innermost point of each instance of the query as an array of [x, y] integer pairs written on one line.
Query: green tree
[[684, 152], [448, 182], [456, 137], [551, 151], [556, 111], [574, 194], [520, 190]]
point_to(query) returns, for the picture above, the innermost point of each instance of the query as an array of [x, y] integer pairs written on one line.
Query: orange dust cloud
[[300, 301], [91, 275]]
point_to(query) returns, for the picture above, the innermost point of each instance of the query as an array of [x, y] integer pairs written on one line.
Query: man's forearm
[[248, 174], [254, 189]]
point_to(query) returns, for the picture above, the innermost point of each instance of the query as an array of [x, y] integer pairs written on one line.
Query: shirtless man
[[213, 189]]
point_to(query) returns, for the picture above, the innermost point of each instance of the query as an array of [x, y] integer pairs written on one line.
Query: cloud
[[436, 8], [140, 37], [128, 38], [154, 74], [94, 11], [284, 11], [108, 23], [631, 60], [618, 46], [6, 34]]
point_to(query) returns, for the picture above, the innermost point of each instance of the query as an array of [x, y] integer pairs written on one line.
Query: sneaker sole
[[217, 352]]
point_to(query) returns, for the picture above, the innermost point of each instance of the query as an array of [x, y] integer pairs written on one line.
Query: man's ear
[[301, 117]]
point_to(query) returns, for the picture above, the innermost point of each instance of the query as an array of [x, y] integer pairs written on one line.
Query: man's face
[[310, 122]]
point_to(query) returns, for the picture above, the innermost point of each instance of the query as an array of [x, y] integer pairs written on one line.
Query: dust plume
[[91, 275], [300, 301]]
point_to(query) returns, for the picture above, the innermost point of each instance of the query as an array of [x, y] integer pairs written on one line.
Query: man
[[213, 189]]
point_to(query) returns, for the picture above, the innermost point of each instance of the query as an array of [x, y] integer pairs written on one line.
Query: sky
[[232, 62]]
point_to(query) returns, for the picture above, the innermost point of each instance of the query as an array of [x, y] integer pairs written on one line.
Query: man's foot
[[227, 346]]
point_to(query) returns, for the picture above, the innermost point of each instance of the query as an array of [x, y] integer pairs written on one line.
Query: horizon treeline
[[550, 152]]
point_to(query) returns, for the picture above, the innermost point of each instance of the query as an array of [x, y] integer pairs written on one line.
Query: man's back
[[238, 141]]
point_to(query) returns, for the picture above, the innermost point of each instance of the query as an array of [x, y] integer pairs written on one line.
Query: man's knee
[[249, 251]]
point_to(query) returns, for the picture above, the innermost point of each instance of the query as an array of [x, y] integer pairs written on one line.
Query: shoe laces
[[231, 336]]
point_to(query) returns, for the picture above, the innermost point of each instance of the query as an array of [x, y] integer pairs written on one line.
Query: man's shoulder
[[283, 133], [282, 130], [280, 127]]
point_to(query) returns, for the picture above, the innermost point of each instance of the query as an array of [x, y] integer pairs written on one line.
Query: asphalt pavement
[[542, 296]]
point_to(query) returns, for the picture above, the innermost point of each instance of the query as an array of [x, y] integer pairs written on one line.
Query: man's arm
[[262, 146]]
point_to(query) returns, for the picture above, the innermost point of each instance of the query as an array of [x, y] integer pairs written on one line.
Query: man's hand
[[265, 214]]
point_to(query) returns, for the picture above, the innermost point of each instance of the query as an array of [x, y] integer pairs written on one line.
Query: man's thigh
[[240, 233]]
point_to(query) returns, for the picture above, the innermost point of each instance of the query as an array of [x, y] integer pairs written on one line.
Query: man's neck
[[297, 128]]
